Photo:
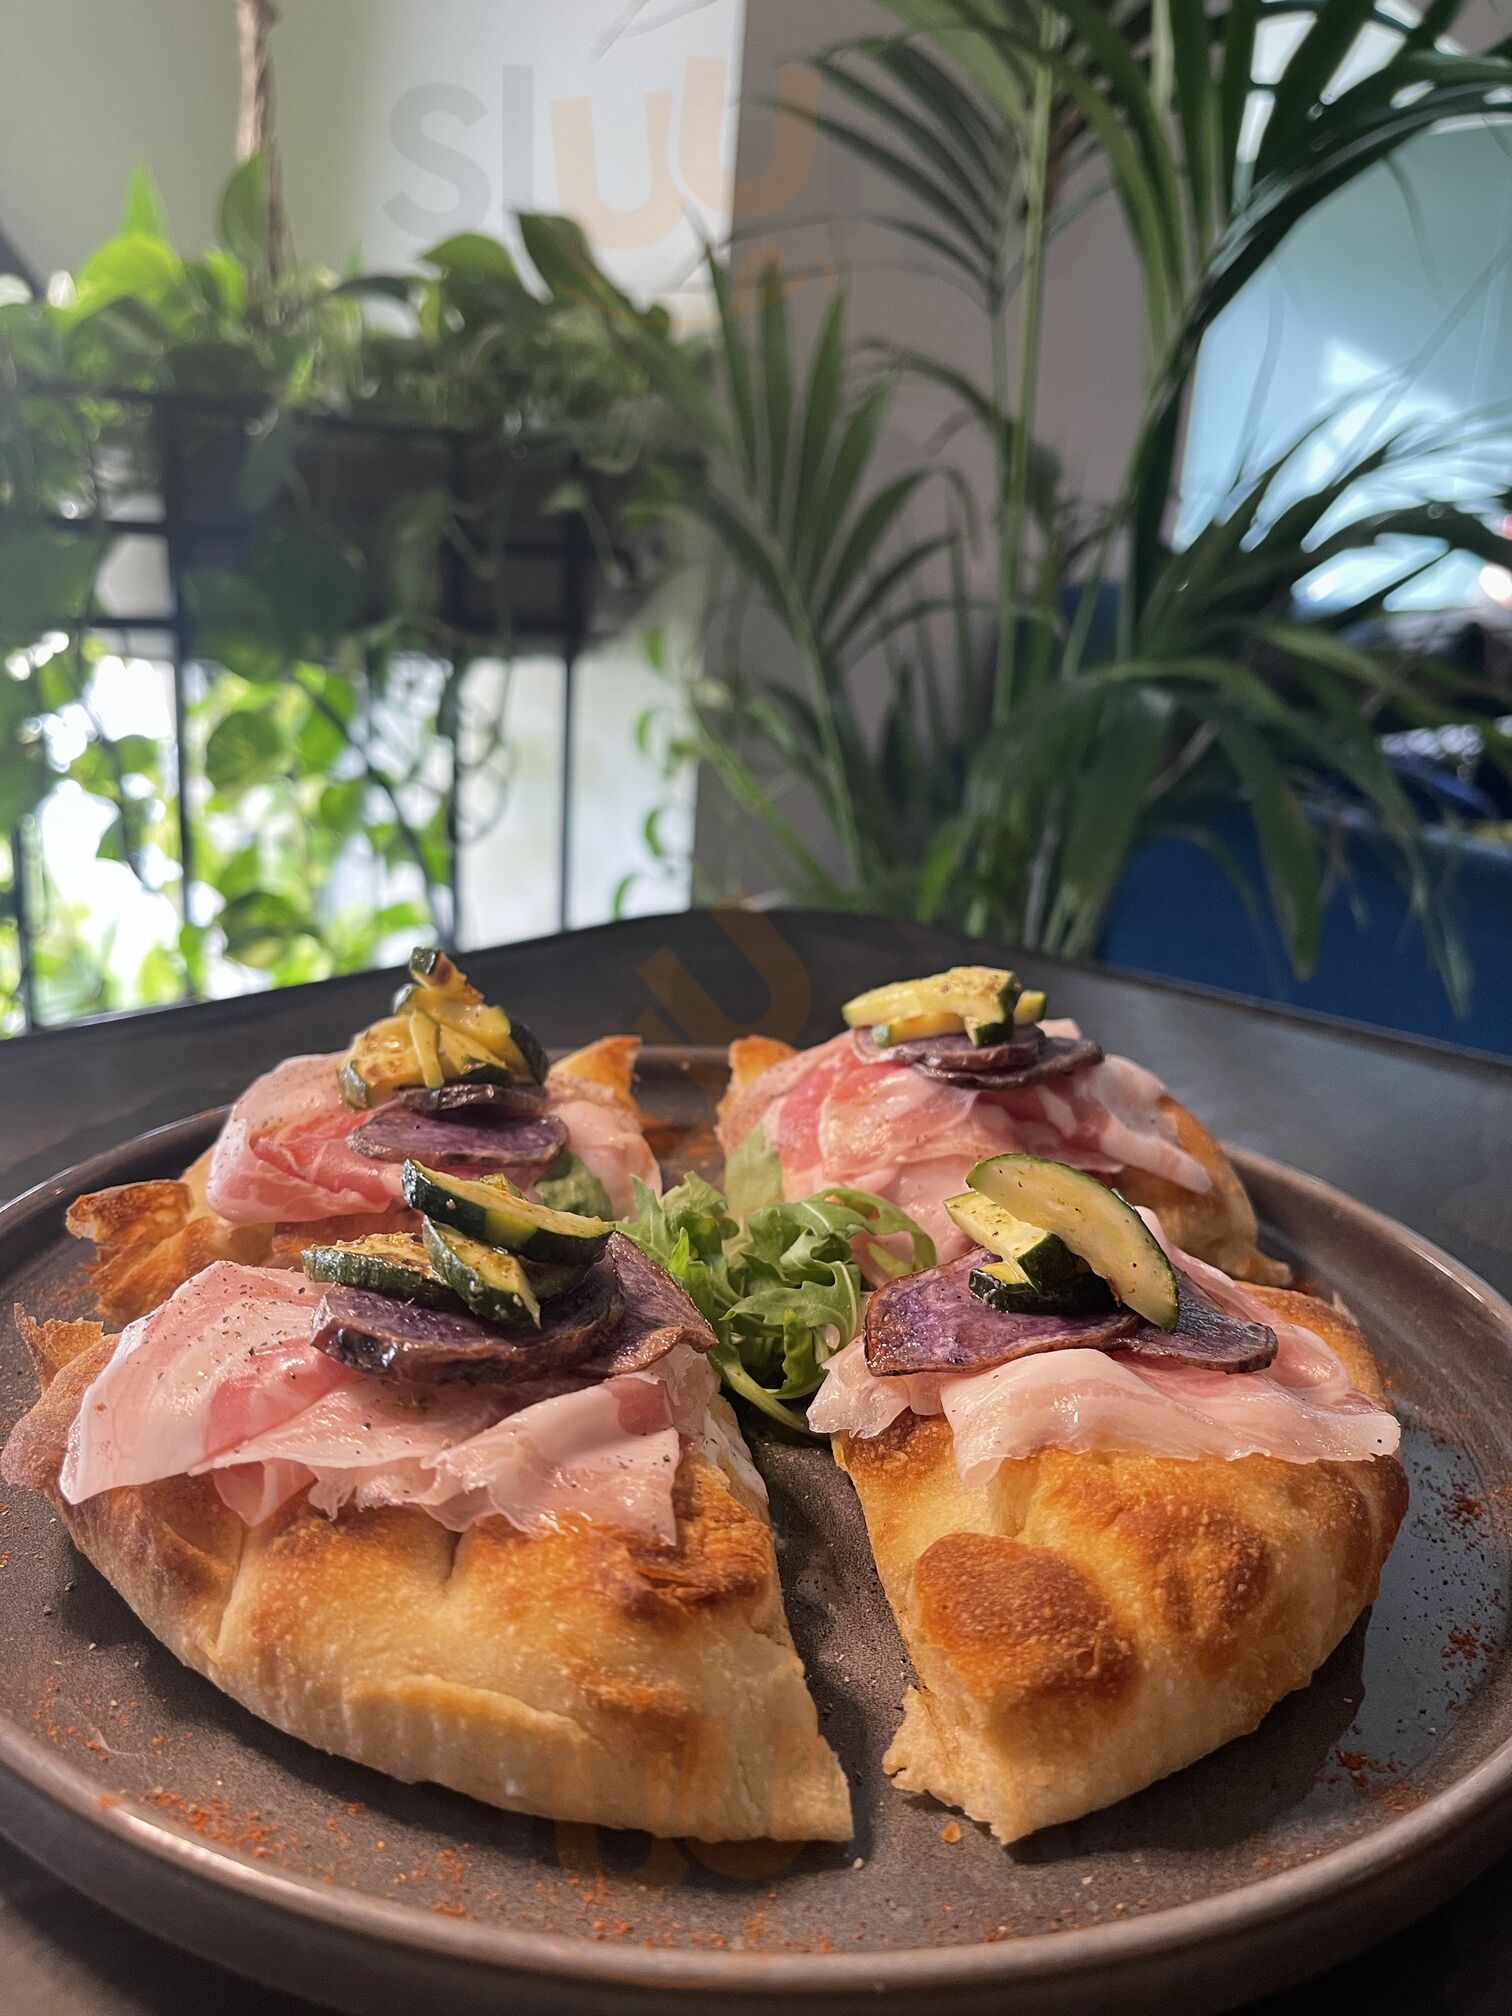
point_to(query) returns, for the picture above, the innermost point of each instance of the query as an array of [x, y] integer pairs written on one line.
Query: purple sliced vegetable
[[658, 1313], [512, 1102], [953, 1052], [471, 1138], [1057, 1056], [1205, 1335], [933, 1323], [402, 1341], [1029, 1058]]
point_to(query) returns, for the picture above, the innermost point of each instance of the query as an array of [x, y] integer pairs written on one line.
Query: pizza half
[[565, 1605], [1116, 1522]]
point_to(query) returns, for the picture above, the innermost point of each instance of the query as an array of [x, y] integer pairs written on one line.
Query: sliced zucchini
[[1043, 1262], [493, 1284], [424, 1035], [1030, 1006], [432, 968], [490, 1208], [380, 1061], [568, 1184], [462, 1058], [488, 1033], [389, 1263], [1003, 1285], [976, 1000], [1093, 1221]]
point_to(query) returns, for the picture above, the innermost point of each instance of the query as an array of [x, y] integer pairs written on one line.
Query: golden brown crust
[[608, 1064], [1084, 1624], [152, 1237], [585, 1674]]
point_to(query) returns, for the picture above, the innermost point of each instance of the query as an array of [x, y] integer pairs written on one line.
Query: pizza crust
[[584, 1674], [1084, 1624]]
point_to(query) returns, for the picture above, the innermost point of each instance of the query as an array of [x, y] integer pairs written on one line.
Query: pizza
[[413, 1441]]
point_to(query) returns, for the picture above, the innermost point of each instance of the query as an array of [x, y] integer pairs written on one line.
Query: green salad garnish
[[782, 1287]]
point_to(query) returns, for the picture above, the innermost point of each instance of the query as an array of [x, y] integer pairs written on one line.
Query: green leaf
[[473, 256], [25, 780], [819, 409], [752, 1174], [46, 580], [783, 1290], [144, 206], [246, 748], [243, 218], [260, 926], [777, 388], [1287, 846]]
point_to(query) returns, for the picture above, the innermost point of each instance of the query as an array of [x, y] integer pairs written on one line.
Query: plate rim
[[1453, 1834]]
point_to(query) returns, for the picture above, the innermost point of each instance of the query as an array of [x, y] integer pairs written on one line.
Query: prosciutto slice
[[225, 1358], [848, 1112], [1301, 1409], [285, 1152], [607, 1137], [223, 1380]]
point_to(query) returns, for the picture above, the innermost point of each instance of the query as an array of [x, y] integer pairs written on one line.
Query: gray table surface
[[1419, 1132]]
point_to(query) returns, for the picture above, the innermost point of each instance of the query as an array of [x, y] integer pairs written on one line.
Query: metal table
[[1418, 1131]]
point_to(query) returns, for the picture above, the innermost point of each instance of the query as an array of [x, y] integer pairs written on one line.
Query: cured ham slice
[[608, 1139], [1302, 1409], [225, 1358], [848, 1112], [284, 1152], [223, 1380]]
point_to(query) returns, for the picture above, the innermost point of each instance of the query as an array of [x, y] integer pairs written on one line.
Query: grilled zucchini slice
[[491, 1209], [390, 1263], [1043, 1261], [1093, 1221], [981, 1001], [424, 1035], [1003, 1285], [493, 1284], [381, 1061], [434, 969], [487, 1033]]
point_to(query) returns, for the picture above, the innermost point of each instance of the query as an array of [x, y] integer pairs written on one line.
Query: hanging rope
[[255, 130]]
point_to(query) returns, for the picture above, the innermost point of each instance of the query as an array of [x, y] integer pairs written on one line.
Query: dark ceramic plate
[[1361, 1801]]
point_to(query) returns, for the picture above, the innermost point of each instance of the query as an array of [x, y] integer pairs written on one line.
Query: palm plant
[[1133, 683]]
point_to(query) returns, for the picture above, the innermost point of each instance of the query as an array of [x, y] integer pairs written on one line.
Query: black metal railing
[[558, 557]]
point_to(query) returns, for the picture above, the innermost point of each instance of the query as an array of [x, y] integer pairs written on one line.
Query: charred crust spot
[[1020, 1624]]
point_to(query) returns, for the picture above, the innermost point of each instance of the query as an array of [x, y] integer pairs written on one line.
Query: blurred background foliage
[[969, 704], [370, 483], [991, 756]]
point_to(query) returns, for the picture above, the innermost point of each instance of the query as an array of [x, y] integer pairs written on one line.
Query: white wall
[[401, 121], [87, 87]]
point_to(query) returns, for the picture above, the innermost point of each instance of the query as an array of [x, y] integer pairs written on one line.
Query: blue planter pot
[[1177, 914]]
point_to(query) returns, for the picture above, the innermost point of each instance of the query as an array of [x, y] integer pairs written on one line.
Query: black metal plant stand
[[558, 622]]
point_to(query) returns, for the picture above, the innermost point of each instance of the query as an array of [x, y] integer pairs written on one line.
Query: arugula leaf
[[782, 1288]]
